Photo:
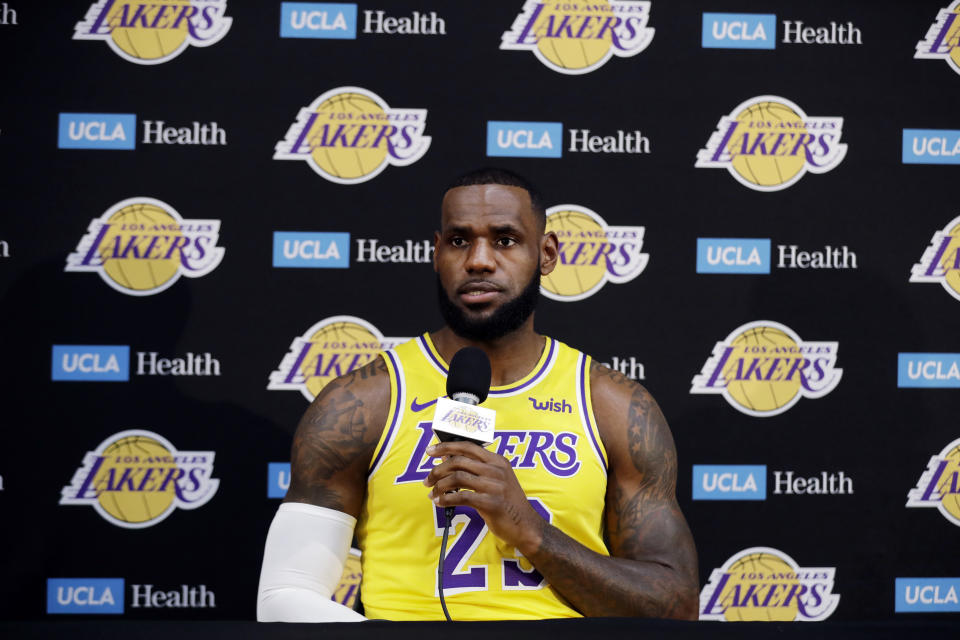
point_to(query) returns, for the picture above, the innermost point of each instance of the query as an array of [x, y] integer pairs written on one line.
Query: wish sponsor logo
[[99, 363], [85, 595], [931, 146], [318, 20], [524, 139], [733, 255], [97, 131], [928, 370], [319, 250], [739, 31], [942, 41], [729, 482], [557, 406], [927, 595], [278, 479]]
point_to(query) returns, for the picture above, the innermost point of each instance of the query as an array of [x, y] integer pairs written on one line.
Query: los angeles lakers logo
[[764, 584], [349, 135], [939, 485], [578, 37], [136, 478], [940, 262], [768, 143], [592, 253], [763, 368], [943, 38], [330, 348], [157, 31], [141, 246]]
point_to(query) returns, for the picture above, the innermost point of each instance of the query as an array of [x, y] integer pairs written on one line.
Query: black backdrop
[[246, 312]]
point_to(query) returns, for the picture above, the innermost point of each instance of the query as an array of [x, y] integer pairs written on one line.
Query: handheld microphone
[[468, 383]]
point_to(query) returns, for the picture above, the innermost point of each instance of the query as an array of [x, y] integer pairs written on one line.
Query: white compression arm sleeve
[[302, 565]]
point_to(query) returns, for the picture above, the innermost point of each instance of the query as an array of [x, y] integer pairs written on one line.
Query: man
[[571, 511]]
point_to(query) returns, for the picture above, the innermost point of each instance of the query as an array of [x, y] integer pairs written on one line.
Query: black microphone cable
[[448, 518]]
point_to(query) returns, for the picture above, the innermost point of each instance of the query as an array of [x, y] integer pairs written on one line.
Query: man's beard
[[509, 317]]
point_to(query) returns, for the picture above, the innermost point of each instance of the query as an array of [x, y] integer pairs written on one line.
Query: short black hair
[[498, 175]]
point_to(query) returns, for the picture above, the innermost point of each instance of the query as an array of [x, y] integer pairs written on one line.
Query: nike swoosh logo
[[416, 406]]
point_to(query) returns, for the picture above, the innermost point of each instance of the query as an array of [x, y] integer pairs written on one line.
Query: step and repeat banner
[[211, 209]]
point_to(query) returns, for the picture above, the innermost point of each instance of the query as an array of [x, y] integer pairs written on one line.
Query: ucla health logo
[[768, 143], [85, 595], [729, 482], [739, 31], [579, 37], [931, 146], [765, 584], [943, 38], [763, 368], [927, 595], [524, 139], [135, 479], [141, 246], [311, 249], [96, 363], [97, 131], [939, 485], [318, 20], [278, 479], [349, 135], [928, 370], [155, 32], [592, 253], [733, 255], [330, 348], [940, 262]]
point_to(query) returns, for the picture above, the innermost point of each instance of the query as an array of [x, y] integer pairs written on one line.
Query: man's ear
[[549, 252]]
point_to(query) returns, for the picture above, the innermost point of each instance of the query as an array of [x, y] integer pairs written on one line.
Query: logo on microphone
[[592, 253], [768, 143], [349, 135], [939, 485], [576, 38], [940, 262], [135, 479], [763, 368], [943, 38], [765, 584], [330, 348], [156, 32], [141, 246]]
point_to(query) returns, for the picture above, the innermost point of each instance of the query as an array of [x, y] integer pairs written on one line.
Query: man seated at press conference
[[570, 512]]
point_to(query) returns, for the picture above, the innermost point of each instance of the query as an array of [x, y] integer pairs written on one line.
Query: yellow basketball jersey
[[544, 426]]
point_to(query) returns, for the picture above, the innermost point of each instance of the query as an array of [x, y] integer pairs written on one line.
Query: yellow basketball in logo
[[337, 348], [121, 473], [950, 500], [338, 141], [953, 37], [133, 229], [580, 235], [757, 569], [947, 261], [572, 52], [145, 42], [770, 119], [761, 395]]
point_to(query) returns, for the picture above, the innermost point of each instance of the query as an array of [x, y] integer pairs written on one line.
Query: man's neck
[[512, 356]]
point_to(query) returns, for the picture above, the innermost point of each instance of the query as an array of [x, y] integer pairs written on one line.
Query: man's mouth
[[477, 292]]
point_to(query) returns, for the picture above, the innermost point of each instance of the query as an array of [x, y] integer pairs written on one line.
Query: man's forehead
[[487, 204]]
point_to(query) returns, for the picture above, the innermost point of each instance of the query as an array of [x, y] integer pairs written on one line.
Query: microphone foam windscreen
[[470, 373]]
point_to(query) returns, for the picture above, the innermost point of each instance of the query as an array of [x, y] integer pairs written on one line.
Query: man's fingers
[[469, 449]]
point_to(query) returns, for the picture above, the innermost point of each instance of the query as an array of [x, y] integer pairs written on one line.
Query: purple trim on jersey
[[397, 408], [536, 377], [425, 346], [585, 410]]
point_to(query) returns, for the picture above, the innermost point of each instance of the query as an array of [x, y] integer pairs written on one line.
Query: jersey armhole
[[589, 420], [394, 412]]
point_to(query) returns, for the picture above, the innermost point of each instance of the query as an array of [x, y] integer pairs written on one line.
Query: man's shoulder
[[368, 385]]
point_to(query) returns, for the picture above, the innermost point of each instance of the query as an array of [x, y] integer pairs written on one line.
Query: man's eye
[[506, 242], [458, 242]]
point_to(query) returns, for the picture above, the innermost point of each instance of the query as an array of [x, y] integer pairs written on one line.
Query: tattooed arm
[[652, 569], [335, 439]]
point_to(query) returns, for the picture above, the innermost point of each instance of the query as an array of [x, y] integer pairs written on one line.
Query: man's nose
[[481, 257]]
